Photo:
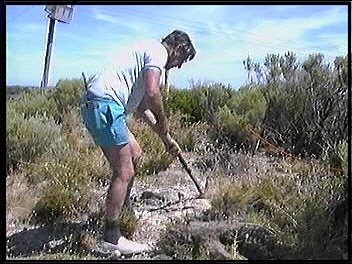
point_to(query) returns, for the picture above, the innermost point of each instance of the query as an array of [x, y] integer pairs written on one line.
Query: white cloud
[[106, 18], [222, 50], [124, 25], [273, 36]]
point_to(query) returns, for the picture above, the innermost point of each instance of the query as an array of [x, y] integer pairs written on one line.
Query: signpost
[[61, 13]]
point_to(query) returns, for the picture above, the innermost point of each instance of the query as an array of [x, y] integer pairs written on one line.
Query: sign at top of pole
[[61, 13]]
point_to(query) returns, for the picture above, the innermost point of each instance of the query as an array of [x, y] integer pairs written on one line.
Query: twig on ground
[[170, 204]]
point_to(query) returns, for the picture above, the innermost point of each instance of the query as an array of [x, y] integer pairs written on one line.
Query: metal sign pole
[[61, 13], [49, 46]]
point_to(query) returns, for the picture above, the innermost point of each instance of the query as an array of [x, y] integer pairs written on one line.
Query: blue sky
[[224, 35]]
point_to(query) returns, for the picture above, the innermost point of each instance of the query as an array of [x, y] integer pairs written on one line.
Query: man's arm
[[151, 108]]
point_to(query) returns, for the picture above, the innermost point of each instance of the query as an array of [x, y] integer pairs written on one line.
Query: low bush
[[187, 102], [189, 135], [58, 202], [54, 102], [338, 158], [128, 223], [245, 109], [127, 220], [14, 91], [67, 94], [306, 101], [200, 102], [294, 205], [34, 103], [67, 184], [29, 138]]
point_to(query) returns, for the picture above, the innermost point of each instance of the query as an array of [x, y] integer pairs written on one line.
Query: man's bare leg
[[136, 153], [120, 159]]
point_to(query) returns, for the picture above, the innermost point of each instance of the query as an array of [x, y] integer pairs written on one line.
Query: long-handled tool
[[185, 166]]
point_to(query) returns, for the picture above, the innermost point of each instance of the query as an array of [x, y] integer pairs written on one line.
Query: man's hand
[[171, 145]]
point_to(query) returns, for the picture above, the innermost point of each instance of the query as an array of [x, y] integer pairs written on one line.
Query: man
[[131, 82]]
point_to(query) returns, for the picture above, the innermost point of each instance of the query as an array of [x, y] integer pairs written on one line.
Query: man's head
[[179, 47]]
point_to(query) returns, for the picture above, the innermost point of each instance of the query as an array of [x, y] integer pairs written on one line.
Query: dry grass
[[291, 199], [20, 198]]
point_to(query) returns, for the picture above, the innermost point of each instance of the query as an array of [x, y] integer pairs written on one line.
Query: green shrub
[[186, 102], [72, 166], [229, 128], [67, 94], [33, 103], [29, 138], [251, 104], [127, 220], [64, 97], [212, 98], [187, 134], [201, 101], [67, 183], [76, 133], [128, 223], [338, 158], [225, 110], [233, 199], [13, 91], [306, 101], [246, 108], [57, 202]]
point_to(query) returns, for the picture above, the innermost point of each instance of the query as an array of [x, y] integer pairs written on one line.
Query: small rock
[[150, 195]]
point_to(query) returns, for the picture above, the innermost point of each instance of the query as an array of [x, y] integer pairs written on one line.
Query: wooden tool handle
[[185, 166]]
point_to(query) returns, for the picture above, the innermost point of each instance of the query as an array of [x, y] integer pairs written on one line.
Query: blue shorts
[[105, 120]]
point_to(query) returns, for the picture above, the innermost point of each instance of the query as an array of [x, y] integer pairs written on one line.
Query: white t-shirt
[[122, 78]]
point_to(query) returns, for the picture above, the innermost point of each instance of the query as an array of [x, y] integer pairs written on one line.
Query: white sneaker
[[128, 247], [107, 249]]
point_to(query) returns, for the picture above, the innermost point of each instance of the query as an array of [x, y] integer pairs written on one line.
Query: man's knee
[[124, 173], [120, 159]]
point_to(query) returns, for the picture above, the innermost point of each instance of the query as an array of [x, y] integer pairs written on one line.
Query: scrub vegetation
[[298, 110]]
